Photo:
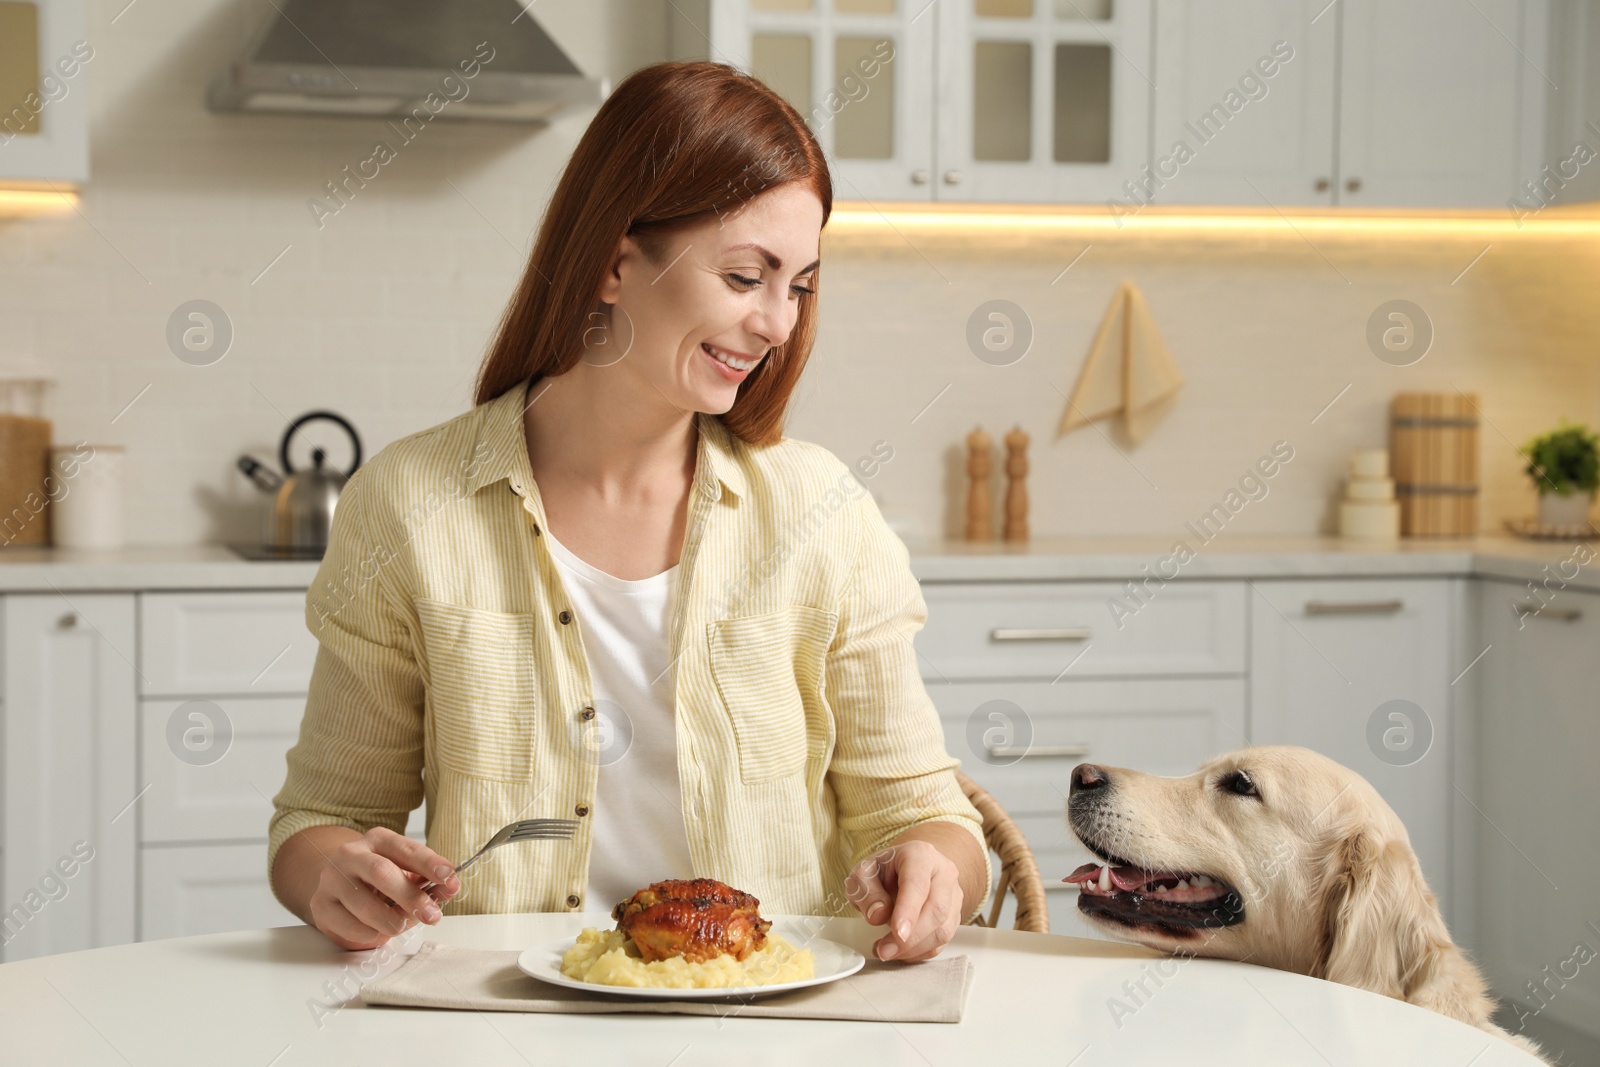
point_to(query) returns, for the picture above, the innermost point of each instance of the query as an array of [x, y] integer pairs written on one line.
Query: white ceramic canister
[[85, 491]]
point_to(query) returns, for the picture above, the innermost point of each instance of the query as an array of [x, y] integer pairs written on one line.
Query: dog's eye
[[1239, 783]]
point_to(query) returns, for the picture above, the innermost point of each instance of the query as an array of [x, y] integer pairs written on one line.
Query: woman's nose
[[773, 323]]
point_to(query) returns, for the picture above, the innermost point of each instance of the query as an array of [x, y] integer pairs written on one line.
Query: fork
[[526, 830]]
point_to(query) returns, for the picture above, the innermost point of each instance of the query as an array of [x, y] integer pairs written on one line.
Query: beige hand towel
[[448, 976], [1129, 370]]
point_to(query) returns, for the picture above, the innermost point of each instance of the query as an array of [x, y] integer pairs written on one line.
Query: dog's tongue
[[1121, 877]]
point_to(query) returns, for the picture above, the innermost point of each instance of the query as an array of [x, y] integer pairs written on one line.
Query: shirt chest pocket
[[482, 689], [768, 669]]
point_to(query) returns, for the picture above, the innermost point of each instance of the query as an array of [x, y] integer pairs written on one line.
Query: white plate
[[834, 961]]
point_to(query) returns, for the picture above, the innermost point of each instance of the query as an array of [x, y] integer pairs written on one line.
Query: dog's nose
[[1086, 776]]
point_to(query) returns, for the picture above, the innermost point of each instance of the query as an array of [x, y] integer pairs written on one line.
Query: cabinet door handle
[[1353, 185], [1354, 607], [1558, 614], [919, 176], [1322, 185], [68, 621], [1038, 752], [1043, 633], [952, 177]]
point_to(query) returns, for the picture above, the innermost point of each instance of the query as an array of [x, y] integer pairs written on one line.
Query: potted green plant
[[1565, 466]]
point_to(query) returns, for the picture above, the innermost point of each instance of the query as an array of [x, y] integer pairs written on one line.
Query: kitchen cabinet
[[68, 773], [45, 61], [964, 100], [1359, 670], [1363, 103], [860, 72], [1033, 678], [1244, 105], [207, 890], [1041, 100], [144, 738], [231, 668], [1020, 741], [1537, 803], [1123, 103]]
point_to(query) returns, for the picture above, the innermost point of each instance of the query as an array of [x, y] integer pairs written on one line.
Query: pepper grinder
[[1016, 486], [979, 526]]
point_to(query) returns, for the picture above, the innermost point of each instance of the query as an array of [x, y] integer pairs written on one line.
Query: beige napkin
[[448, 976], [1129, 370]]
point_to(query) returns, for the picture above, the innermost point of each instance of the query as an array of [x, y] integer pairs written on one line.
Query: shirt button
[[565, 617], [588, 713], [572, 900], [582, 809]]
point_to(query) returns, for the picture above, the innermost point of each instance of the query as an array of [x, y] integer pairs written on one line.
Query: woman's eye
[[751, 283]]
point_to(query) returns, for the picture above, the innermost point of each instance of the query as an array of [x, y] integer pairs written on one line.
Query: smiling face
[[725, 293], [1233, 861]]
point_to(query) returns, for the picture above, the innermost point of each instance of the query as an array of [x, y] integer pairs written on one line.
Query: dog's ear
[[1381, 925]]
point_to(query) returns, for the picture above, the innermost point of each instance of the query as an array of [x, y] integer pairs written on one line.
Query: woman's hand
[[370, 889], [916, 890]]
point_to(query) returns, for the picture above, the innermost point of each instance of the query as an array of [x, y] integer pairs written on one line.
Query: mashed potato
[[608, 957]]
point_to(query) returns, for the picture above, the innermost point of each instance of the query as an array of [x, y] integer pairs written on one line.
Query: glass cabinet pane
[[1002, 100], [1082, 103], [19, 67], [780, 5], [864, 7], [783, 61], [1098, 10], [864, 83], [1003, 9]]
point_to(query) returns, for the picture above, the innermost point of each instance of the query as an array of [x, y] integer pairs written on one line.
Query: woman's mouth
[[731, 367]]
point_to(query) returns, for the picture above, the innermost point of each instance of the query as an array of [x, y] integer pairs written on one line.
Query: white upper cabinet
[[990, 100], [45, 56], [1124, 103], [1361, 103], [1441, 101], [860, 71], [1245, 105], [1041, 100]]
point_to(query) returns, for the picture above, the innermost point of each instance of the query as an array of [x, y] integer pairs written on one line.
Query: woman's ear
[[1381, 926]]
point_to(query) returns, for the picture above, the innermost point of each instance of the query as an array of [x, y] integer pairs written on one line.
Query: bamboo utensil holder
[[1433, 450]]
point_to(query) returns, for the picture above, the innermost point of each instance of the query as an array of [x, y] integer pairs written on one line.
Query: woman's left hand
[[916, 890]]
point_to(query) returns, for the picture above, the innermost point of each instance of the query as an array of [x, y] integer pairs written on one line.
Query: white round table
[[262, 997]]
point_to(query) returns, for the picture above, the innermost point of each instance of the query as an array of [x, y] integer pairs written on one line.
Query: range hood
[[476, 59]]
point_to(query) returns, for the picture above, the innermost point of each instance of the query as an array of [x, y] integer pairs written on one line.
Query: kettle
[[297, 524]]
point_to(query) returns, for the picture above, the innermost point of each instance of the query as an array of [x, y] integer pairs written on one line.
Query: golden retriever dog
[[1279, 856]]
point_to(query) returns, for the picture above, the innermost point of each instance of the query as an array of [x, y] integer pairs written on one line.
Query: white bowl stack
[[1369, 511]]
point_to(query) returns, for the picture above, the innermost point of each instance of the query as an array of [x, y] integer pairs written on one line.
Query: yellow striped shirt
[[450, 670]]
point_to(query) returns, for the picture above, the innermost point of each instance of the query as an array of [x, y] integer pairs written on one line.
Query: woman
[[614, 592]]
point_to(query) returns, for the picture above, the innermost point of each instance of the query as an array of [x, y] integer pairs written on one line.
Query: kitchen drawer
[[1164, 726], [1020, 630], [206, 890], [227, 799], [210, 644], [231, 798]]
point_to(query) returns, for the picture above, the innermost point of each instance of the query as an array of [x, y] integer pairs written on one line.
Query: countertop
[[1047, 559]]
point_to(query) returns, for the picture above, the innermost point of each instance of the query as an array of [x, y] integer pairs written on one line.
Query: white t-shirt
[[639, 833]]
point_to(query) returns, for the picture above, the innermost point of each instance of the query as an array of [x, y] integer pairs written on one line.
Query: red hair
[[675, 145]]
